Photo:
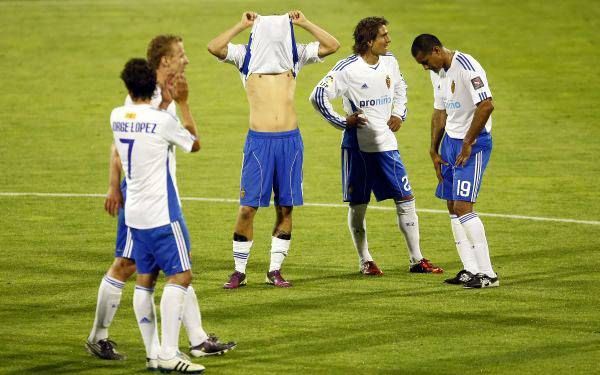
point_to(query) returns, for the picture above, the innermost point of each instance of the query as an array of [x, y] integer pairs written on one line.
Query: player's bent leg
[[280, 245], [145, 313], [171, 308], [242, 243], [109, 299], [475, 231], [408, 223]]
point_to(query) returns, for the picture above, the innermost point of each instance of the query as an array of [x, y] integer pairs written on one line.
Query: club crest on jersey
[[477, 83], [452, 87], [388, 81]]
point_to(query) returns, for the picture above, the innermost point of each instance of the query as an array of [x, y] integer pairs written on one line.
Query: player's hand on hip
[[356, 120], [437, 164], [248, 19], [180, 90], [464, 155], [395, 123], [297, 17], [113, 201]]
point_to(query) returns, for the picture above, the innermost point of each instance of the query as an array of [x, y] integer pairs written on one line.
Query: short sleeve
[[308, 53], [476, 81], [438, 97], [235, 54], [174, 133]]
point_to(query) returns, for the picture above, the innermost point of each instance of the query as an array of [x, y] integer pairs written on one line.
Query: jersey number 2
[[129, 143]]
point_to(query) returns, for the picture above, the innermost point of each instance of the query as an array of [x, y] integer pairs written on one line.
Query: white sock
[[171, 310], [463, 246], [279, 250], [357, 224], [408, 222], [241, 252], [476, 234], [109, 298], [145, 313], [192, 318]]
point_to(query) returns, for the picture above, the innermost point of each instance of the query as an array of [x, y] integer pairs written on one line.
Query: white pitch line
[[332, 205]]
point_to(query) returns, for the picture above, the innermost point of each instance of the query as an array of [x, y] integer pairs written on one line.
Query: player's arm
[[438, 123], [327, 43], [399, 109], [218, 46], [480, 117], [114, 198], [180, 93], [331, 87]]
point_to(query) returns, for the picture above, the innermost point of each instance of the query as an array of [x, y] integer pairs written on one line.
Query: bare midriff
[[271, 99]]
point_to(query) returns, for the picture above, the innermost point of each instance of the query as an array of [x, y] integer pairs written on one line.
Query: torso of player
[[271, 100], [371, 90]]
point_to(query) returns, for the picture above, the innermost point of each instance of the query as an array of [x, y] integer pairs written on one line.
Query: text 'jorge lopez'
[[134, 127]]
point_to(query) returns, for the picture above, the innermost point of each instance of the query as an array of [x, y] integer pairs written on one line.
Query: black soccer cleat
[[104, 349], [482, 280], [212, 346], [461, 277]]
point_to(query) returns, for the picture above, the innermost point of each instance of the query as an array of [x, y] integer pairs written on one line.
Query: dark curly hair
[[424, 43], [139, 78], [365, 32], [161, 45]]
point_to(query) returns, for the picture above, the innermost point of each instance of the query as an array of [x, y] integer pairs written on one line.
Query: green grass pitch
[[60, 62]]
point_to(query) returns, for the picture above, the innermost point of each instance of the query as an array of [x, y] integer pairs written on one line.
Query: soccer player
[[143, 137], [461, 145], [273, 153], [167, 56], [374, 98]]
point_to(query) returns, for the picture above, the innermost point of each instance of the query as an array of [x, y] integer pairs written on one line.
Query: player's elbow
[[215, 50], [330, 48]]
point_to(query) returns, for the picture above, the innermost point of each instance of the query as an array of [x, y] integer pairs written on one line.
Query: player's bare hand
[[180, 90], [297, 17], [166, 92], [356, 120], [248, 19], [464, 155], [394, 123], [437, 163], [113, 201]]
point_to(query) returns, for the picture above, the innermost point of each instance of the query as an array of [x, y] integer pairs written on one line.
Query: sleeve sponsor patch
[[326, 82], [477, 83]]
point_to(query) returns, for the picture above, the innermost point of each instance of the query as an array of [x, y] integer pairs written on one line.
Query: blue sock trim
[[114, 282], [471, 215], [149, 290], [176, 286]]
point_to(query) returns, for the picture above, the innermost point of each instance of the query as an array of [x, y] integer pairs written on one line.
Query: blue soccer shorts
[[382, 173], [166, 248], [272, 162], [463, 183], [124, 246]]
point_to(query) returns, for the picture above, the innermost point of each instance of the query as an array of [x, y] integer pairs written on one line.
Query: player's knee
[[246, 213], [183, 279], [462, 208], [284, 211], [122, 269]]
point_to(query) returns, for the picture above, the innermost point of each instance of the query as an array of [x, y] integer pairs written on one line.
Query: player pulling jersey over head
[[373, 93], [461, 146], [273, 154]]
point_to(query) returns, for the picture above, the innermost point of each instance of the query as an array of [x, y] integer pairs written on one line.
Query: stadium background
[[60, 62]]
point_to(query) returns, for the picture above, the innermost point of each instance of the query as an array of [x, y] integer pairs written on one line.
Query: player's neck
[[137, 101], [370, 58], [448, 56]]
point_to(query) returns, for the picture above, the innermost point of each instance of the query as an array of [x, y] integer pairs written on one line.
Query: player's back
[[139, 133]]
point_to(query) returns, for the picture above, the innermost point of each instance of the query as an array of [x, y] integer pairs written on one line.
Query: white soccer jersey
[[271, 49], [155, 101], [458, 91], [378, 90], [143, 136]]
